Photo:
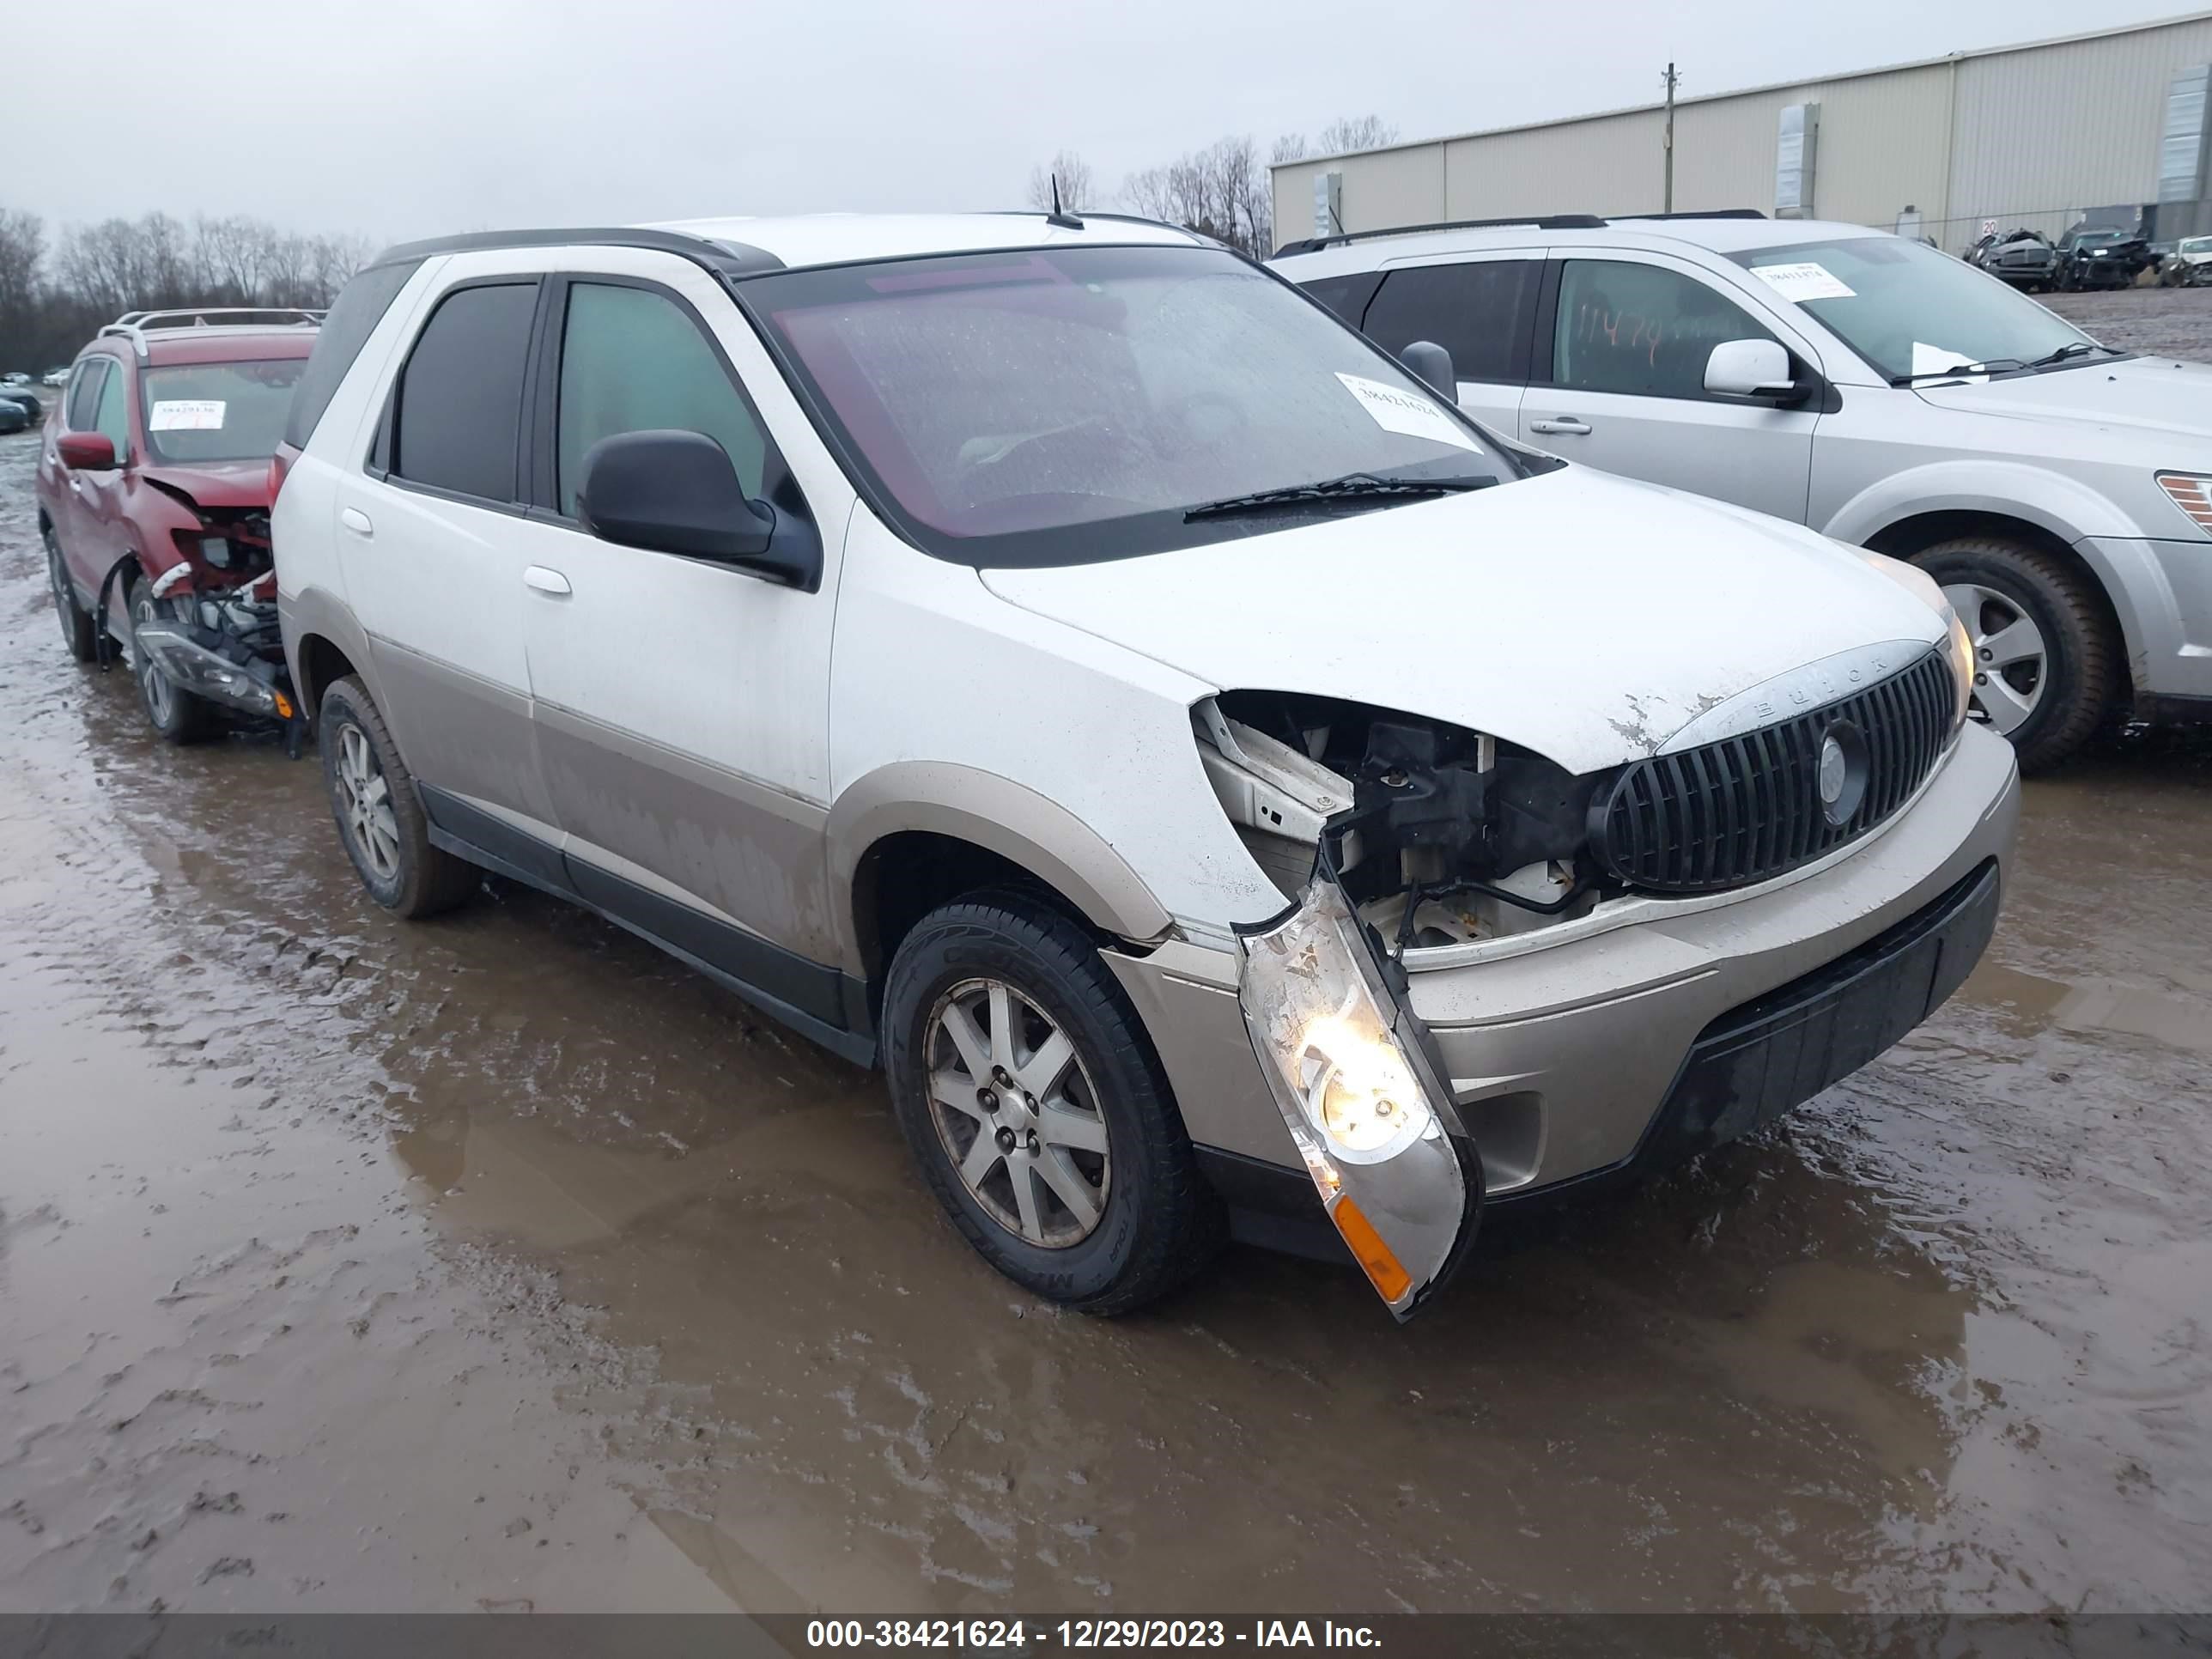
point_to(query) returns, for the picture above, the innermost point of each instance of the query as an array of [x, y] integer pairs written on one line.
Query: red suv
[[153, 489]]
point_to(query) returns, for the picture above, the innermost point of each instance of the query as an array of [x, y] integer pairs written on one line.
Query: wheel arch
[[915, 833], [322, 644]]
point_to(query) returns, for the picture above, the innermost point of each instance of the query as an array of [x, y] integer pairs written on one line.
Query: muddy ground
[[498, 1262]]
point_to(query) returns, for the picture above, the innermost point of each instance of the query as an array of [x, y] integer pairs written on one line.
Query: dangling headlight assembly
[[1350, 1069]]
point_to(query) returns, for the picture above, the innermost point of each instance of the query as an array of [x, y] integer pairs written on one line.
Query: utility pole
[[1670, 139]]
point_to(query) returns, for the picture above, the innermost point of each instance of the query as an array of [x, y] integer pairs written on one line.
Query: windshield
[[1908, 309], [2196, 244], [219, 411], [1070, 404]]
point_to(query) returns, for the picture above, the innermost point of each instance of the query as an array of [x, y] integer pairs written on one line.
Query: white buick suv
[[1225, 789]]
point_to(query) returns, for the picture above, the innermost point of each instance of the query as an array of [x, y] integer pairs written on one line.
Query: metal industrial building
[[2035, 135]]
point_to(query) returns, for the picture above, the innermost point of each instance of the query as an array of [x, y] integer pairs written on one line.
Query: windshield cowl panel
[[1064, 405], [1909, 311]]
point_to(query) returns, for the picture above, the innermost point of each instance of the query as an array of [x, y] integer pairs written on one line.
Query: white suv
[[1882, 392], [1225, 789]]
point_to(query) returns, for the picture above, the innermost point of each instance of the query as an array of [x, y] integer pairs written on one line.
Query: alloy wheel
[[2012, 663], [161, 694], [58, 575], [1017, 1113], [365, 803]]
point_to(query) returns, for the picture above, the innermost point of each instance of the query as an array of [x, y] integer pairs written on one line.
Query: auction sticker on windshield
[[1395, 410], [186, 414], [1808, 280]]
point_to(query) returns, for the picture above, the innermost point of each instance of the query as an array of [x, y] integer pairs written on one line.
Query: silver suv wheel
[[1016, 1112], [365, 803]]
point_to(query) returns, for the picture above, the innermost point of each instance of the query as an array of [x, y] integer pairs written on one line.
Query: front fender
[[998, 815]]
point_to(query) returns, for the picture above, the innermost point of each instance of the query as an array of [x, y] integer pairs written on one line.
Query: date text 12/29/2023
[[1085, 1633]]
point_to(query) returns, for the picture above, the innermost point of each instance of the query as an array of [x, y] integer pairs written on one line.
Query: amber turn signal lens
[[283, 707], [2192, 494], [1390, 1280]]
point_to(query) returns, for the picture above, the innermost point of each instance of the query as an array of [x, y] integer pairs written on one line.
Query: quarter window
[[1478, 312], [111, 417], [1641, 329], [458, 423], [634, 361]]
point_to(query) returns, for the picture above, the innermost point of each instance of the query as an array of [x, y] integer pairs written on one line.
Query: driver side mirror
[[1431, 364], [676, 492], [1752, 368], [85, 452]]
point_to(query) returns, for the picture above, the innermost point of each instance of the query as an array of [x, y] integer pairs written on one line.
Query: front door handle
[[1559, 424], [357, 521], [546, 581]]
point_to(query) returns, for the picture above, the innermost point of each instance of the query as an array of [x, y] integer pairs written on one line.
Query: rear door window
[[1642, 329], [1347, 296], [1479, 310], [457, 422], [634, 361]]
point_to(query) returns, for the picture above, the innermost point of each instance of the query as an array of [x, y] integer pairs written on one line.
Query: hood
[[2153, 394], [213, 483], [1585, 617]]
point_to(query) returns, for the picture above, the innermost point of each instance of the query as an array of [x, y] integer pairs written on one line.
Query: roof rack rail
[[1703, 213], [1517, 220], [134, 325]]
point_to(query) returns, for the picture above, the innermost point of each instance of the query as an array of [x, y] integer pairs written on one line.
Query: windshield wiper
[[1995, 365], [1352, 487], [2072, 348]]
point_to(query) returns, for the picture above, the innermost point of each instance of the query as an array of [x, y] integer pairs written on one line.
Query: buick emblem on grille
[[1834, 769]]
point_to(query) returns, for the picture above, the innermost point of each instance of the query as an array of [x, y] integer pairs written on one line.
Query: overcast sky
[[406, 118]]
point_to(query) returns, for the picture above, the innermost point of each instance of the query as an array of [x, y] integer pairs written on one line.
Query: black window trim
[[378, 463], [542, 407], [1822, 397]]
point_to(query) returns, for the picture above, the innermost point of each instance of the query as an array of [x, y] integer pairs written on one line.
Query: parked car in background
[[56, 376], [12, 417], [2059, 489], [33, 406], [2190, 264], [1042, 701], [2025, 258], [153, 490], [15, 377], [2101, 256]]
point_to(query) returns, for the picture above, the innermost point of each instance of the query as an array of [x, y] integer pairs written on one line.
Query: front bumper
[[1562, 1056]]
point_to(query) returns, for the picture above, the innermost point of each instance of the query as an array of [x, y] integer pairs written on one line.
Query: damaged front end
[[1389, 833]]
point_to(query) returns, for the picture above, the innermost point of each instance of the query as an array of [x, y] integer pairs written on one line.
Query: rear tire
[[1109, 1118], [379, 812], [174, 714], [2076, 686], [76, 621]]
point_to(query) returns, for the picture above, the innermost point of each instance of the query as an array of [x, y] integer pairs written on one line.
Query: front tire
[[2047, 661], [1033, 1101], [174, 714], [379, 812]]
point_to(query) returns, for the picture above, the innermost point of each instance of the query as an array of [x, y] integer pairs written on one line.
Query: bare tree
[[1221, 192], [1351, 132], [1073, 175]]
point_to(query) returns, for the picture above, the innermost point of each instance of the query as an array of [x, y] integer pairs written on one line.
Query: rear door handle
[[357, 521], [1559, 424], [546, 581]]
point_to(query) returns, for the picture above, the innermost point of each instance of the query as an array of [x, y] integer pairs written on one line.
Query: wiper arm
[[1995, 365], [1352, 487], [2072, 348]]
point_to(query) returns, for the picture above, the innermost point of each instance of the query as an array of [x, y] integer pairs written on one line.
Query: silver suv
[[1064, 664], [1881, 392]]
